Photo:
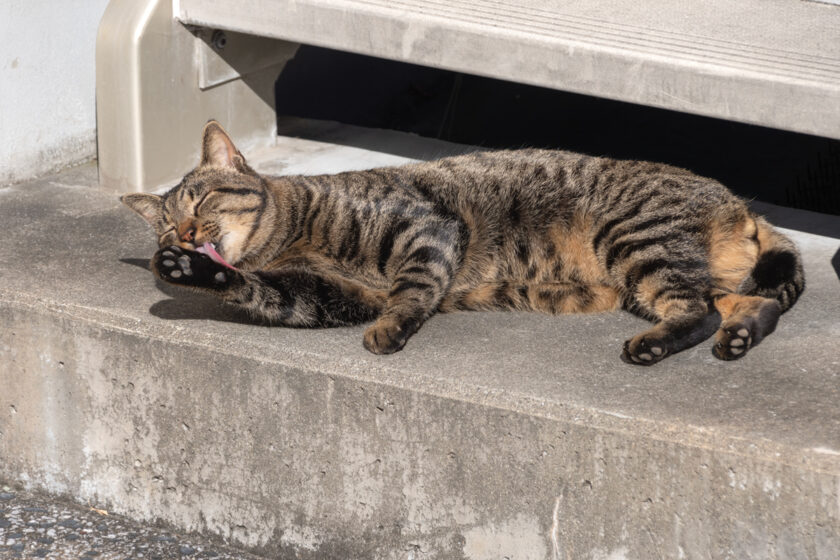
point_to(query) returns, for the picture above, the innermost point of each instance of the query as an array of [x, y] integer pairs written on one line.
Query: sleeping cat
[[536, 230]]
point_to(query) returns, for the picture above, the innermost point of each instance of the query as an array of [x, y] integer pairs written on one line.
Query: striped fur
[[533, 230]]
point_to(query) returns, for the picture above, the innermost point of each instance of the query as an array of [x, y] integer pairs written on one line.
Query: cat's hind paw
[[644, 350], [742, 331], [189, 268], [733, 342]]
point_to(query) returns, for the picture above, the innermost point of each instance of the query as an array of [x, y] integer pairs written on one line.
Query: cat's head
[[222, 202]]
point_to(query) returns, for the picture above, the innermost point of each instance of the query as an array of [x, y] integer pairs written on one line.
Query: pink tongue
[[211, 252]]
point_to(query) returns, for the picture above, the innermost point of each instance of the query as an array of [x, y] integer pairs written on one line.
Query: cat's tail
[[777, 273]]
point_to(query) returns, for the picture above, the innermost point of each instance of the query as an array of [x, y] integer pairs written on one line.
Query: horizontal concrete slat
[[769, 62]]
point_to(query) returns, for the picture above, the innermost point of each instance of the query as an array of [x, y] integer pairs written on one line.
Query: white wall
[[47, 77]]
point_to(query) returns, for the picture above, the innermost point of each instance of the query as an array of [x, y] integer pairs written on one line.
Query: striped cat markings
[[531, 230]]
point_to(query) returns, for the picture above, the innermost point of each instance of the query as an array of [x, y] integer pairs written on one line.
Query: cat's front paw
[[189, 268], [388, 335]]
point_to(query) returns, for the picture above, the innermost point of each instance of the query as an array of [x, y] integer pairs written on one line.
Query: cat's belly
[[554, 272], [560, 253]]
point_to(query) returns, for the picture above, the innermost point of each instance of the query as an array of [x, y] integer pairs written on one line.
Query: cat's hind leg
[[746, 321], [682, 324], [676, 296]]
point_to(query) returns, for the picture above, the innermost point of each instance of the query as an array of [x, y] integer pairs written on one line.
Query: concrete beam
[[772, 63]]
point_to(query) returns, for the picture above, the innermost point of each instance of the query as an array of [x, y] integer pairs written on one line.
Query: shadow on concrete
[[373, 139], [187, 305], [825, 225], [184, 304], [835, 262], [140, 263]]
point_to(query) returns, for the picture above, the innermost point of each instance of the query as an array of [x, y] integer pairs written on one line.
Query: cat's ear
[[217, 149], [149, 206]]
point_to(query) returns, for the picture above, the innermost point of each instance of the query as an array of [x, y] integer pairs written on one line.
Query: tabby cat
[[535, 230]]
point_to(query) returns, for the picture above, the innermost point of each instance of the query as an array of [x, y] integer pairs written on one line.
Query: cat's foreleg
[[292, 297], [423, 274]]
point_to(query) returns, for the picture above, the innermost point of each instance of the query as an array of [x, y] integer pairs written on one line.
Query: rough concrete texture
[[492, 435]]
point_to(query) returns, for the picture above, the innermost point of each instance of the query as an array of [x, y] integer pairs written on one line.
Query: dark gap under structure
[[779, 167]]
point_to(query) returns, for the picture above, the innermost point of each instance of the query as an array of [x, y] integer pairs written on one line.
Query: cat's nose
[[186, 232]]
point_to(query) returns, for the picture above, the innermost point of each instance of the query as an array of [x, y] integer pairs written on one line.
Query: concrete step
[[769, 62], [492, 435]]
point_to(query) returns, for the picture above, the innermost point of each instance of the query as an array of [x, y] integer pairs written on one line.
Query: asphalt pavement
[[35, 525]]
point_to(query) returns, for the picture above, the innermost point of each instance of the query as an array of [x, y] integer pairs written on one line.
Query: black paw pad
[[737, 335], [173, 264], [643, 351], [733, 341], [190, 268]]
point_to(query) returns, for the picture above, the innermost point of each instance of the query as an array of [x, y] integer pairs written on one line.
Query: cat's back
[[515, 185], [537, 186]]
